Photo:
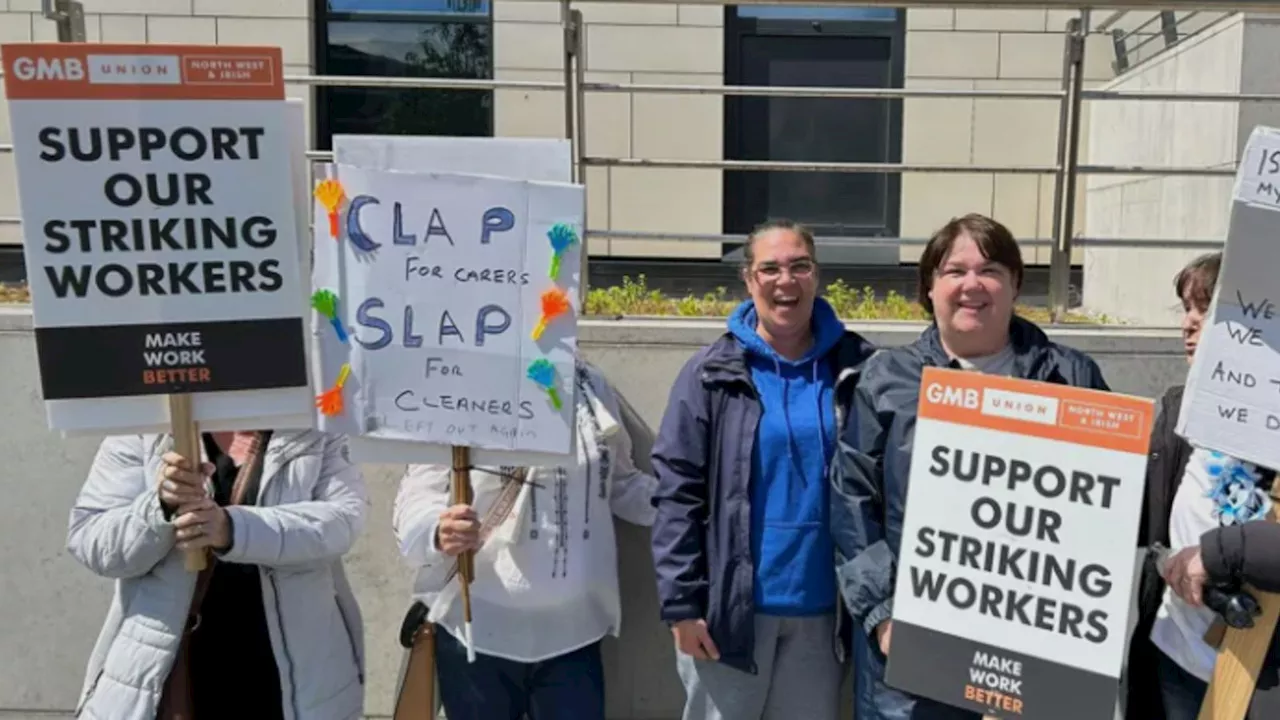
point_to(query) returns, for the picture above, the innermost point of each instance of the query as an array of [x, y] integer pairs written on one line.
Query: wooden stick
[[460, 485], [1235, 674], [186, 442]]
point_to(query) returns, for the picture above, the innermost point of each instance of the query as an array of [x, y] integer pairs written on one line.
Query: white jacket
[[310, 510], [522, 611]]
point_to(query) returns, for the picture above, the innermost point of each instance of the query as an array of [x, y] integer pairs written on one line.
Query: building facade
[[686, 44]]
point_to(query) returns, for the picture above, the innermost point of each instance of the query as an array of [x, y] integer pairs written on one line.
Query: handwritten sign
[[1011, 599], [1258, 179], [446, 307], [160, 229], [1232, 400]]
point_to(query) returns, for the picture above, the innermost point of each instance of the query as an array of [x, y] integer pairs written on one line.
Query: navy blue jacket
[[702, 458], [872, 464]]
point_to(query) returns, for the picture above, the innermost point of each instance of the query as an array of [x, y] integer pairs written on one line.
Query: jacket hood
[[1027, 339], [827, 331]]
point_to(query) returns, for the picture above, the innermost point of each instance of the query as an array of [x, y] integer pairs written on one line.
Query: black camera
[[1236, 606]]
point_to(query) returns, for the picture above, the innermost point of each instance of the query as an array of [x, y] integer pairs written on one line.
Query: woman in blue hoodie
[[741, 542]]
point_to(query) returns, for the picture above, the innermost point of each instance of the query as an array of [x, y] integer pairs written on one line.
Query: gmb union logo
[[29, 68]]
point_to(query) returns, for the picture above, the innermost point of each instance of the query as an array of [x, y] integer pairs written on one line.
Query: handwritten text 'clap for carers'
[[150, 231], [491, 319]]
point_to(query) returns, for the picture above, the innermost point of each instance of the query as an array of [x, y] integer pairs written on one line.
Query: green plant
[[635, 298]]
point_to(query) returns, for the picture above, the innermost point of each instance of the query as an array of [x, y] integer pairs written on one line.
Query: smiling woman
[[970, 275], [746, 441]]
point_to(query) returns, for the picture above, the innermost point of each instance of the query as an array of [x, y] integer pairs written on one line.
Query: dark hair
[[1198, 279], [748, 249], [994, 241]]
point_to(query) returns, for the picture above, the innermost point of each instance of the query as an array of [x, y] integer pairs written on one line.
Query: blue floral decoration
[[1235, 494]]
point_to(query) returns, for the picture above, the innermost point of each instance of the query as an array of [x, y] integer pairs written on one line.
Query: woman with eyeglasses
[[741, 540], [969, 277]]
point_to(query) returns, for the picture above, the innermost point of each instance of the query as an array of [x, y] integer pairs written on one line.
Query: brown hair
[[1197, 280], [994, 241], [806, 235]]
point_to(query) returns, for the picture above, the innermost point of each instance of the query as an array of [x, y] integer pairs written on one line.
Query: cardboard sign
[[1017, 553], [451, 307], [159, 224], [1232, 397]]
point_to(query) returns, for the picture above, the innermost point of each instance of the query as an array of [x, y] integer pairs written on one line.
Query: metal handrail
[[803, 166], [820, 92]]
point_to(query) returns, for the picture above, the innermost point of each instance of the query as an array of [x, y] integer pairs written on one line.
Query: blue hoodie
[[790, 539]]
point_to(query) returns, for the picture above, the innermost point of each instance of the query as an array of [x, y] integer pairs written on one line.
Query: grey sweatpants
[[799, 678]]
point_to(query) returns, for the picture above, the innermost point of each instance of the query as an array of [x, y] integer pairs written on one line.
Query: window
[[404, 38], [853, 47]]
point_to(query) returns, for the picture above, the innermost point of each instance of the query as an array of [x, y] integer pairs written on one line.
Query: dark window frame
[[320, 95], [736, 27]]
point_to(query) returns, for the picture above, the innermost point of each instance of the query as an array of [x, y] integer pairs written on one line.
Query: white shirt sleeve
[[632, 489], [423, 495]]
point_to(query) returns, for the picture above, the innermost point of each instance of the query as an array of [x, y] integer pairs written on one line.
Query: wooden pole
[[1240, 656], [460, 485], [186, 442]]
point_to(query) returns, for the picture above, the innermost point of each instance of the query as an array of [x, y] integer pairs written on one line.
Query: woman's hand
[[458, 531], [884, 636], [181, 483], [203, 525], [693, 639], [1186, 576]]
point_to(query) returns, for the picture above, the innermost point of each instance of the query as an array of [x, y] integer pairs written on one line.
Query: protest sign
[[1232, 397], [1016, 561], [449, 308], [160, 232]]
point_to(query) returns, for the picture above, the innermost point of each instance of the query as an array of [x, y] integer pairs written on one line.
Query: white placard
[[1232, 397], [545, 159], [160, 233], [440, 281], [1016, 564]]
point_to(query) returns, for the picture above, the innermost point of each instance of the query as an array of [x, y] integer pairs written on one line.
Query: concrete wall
[[1237, 55], [51, 608], [1161, 134]]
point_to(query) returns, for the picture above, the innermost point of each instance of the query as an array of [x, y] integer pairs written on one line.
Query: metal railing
[[1066, 169]]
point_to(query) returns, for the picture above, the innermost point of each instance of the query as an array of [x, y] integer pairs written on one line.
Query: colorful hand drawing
[[325, 302], [554, 304], [330, 193], [330, 401], [543, 373], [562, 238]]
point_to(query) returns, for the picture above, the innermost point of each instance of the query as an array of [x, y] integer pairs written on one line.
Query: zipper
[[284, 640], [89, 695], [351, 639]]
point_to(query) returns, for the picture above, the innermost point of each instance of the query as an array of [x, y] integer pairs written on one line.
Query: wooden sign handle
[[460, 486], [186, 442], [1240, 656]]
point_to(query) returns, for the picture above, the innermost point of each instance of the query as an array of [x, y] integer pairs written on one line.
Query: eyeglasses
[[799, 269]]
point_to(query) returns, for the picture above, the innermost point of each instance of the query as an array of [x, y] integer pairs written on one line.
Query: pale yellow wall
[[286, 23], [682, 44], [678, 43]]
